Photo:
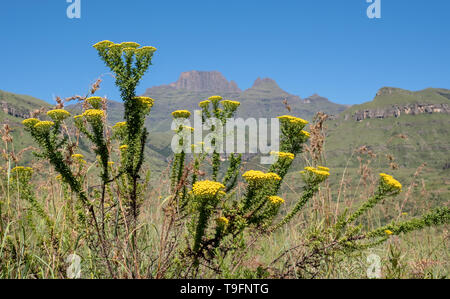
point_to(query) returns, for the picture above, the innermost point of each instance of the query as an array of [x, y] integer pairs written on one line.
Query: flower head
[[133, 45], [146, 102], [215, 99], [146, 50], [230, 105], [388, 232], [390, 183], [30, 122], [204, 104], [103, 45], [123, 147], [94, 114], [207, 188], [181, 114], [95, 102], [44, 126], [222, 221], [58, 114], [120, 125], [259, 177], [276, 200], [283, 155], [292, 119], [314, 175]]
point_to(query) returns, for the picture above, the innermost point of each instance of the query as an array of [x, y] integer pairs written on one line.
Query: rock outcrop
[[205, 81], [13, 111], [397, 111]]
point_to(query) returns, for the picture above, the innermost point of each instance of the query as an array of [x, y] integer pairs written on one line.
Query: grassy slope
[[22, 104], [395, 96], [426, 139]]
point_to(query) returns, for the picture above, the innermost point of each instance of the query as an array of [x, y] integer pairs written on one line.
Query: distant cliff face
[[205, 81], [13, 111], [395, 102], [397, 111]]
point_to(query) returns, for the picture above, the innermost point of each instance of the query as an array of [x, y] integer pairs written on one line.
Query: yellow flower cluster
[[30, 122], [283, 155], [231, 105], [129, 48], [276, 200], [94, 114], [222, 221], [103, 44], [293, 120], [181, 114], [319, 171], [95, 102], [215, 99], [123, 147], [145, 50], [120, 125], [207, 188], [58, 114], [132, 45], [204, 104], [145, 101], [20, 169], [44, 126], [388, 232], [256, 176], [389, 181], [305, 133]]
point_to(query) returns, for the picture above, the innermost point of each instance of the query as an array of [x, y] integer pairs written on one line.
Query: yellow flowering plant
[[129, 62]]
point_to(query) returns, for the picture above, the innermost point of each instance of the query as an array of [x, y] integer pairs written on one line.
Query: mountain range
[[405, 129], [264, 99]]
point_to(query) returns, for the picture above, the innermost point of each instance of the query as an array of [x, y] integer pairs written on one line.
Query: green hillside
[[389, 96], [410, 140], [14, 108]]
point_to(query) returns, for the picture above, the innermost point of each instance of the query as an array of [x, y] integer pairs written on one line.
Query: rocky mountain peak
[[389, 90], [264, 81], [205, 81], [315, 98]]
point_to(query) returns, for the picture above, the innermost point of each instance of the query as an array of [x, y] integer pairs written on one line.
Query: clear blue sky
[[326, 46]]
